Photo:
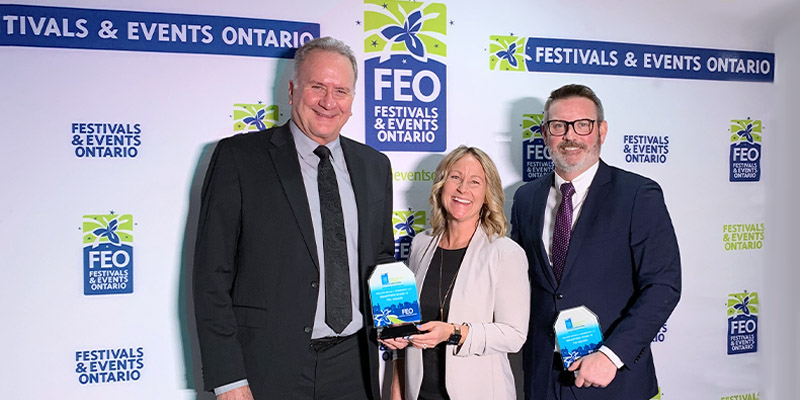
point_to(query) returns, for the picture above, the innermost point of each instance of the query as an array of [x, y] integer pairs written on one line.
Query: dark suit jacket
[[256, 268], [623, 263]]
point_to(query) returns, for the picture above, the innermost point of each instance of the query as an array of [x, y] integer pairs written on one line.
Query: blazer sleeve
[[215, 270], [656, 261], [509, 328]]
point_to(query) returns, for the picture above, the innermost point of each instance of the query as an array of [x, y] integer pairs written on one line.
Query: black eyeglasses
[[557, 127]]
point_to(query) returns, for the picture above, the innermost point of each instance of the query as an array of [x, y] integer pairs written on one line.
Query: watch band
[[455, 337]]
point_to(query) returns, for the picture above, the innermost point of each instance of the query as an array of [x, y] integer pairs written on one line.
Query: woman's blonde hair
[[491, 217]]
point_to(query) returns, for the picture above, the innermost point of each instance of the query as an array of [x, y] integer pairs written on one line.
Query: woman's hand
[[395, 343], [437, 332]]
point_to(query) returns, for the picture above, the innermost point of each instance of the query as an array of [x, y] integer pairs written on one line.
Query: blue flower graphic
[[109, 232], [407, 33], [408, 226], [257, 120], [743, 307], [572, 357], [746, 133], [382, 318], [508, 55]]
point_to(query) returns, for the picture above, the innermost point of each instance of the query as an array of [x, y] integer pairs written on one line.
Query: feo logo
[[507, 53], [405, 77], [107, 254], [742, 322], [254, 117], [745, 154], [406, 225], [536, 160]]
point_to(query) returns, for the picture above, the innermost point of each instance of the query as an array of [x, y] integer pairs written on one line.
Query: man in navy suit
[[610, 247]]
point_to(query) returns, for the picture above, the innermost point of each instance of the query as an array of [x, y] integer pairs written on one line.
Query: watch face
[[454, 338]]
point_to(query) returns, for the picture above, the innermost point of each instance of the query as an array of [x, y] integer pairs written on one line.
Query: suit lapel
[[284, 159], [539, 206], [356, 167], [594, 199]]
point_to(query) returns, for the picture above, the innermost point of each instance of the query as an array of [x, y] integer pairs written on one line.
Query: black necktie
[[338, 312]]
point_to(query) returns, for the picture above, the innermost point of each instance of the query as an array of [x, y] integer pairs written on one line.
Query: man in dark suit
[[600, 237], [293, 219]]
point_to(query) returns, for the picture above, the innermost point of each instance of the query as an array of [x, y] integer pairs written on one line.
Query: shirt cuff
[[227, 388], [611, 356]]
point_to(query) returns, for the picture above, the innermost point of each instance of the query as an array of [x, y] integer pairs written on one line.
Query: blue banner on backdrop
[[78, 28], [608, 58]]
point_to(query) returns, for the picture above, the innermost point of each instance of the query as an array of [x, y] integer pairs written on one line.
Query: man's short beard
[[589, 157]]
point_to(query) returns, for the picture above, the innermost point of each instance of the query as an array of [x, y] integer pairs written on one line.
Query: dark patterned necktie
[[562, 230], [338, 312]]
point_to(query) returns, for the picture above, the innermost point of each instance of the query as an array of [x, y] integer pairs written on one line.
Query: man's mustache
[[571, 143]]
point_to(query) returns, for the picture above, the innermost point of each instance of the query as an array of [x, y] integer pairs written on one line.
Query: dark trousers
[[335, 368]]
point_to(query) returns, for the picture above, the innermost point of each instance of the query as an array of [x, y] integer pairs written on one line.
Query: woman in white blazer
[[474, 289]]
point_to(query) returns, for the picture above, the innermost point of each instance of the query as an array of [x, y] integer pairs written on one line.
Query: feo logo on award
[[405, 78]]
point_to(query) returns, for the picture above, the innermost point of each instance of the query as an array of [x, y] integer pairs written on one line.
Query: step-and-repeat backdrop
[[109, 117]]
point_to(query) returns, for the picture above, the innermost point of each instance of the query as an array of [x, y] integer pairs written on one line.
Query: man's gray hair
[[326, 43], [574, 90]]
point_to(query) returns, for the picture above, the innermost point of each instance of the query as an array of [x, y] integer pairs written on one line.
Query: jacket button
[[314, 284], [307, 329], [559, 296]]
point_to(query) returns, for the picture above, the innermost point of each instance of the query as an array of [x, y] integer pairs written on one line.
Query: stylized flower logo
[[111, 228], [571, 357], [506, 53], [742, 304], [407, 33], [743, 307], [254, 117], [257, 120], [746, 133], [405, 27], [383, 318], [108, 232], [407, 225]]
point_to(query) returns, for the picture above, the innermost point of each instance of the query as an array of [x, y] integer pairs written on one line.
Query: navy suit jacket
[[256, 269], [622, 263]]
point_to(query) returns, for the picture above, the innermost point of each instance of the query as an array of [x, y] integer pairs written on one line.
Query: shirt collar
[[306, 146], [581, 182]]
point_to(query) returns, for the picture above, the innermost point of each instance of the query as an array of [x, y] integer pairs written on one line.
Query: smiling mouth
[[323, 115], [571, 147], [462, 201]]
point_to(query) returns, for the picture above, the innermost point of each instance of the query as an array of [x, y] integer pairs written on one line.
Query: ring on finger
[[424, 346]]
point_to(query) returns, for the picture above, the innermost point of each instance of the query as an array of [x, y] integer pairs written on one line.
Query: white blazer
[[492, 295]]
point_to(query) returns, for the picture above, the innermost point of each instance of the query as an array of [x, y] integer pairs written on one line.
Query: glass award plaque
[[577, 334], [395, 303]]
